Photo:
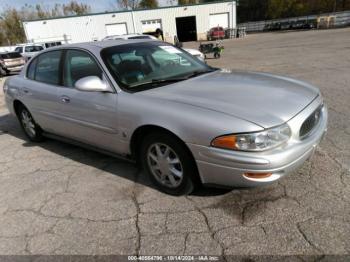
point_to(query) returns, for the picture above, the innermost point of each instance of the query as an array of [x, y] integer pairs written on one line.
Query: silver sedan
[[185, 122]]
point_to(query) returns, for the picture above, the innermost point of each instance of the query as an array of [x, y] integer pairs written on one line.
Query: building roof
[[126, 11]]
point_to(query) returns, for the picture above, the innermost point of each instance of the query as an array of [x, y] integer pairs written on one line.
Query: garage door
[[116, 29], [218, 20], [151, 25]]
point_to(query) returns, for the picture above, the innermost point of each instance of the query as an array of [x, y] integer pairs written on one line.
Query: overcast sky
[[96, 5]]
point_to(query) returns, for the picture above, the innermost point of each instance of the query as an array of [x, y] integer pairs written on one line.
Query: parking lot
[[56, 198]]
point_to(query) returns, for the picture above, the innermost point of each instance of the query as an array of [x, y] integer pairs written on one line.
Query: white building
[[189, 23]]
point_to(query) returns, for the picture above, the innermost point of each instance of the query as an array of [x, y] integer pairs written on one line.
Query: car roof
[[98, 45], [29, 44], [125, 36]]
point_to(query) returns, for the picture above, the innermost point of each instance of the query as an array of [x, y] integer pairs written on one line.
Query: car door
[[89, 117], [39, 88]]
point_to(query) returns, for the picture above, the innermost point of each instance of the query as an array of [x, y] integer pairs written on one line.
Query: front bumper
[[226, 168], [15, 68]]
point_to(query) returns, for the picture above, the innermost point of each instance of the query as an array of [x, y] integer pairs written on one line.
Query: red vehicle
[[216, 33]]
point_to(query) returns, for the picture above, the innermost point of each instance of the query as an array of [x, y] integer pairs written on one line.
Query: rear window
[[218, 29], [19, 49], [33, 48], [10, 55]]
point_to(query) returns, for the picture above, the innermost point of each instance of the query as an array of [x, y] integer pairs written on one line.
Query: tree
[[188, 2], [148, 4], [251, 10], [254, 10], [57, 11], [11, 31], [74, 8], [41, 13], [12, 27], [128, 4], [2, 37]]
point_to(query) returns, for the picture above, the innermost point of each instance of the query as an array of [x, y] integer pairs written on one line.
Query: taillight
[[5, 87]]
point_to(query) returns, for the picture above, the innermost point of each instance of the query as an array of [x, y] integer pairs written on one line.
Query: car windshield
[[140, 66]]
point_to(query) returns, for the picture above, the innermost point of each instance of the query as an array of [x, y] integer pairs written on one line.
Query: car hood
[[193, 51], [31, 54], [264, 99]]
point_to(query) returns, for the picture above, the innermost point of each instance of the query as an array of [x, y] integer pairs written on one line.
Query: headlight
[[258, 141]]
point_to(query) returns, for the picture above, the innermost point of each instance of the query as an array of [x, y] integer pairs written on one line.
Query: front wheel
[[169, 164], [30, 128], [2, 72]]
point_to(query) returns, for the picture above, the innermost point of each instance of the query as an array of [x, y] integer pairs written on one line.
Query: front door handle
[[65, 99]]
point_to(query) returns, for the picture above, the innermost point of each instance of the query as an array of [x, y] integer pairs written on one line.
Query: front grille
[[310, 123]]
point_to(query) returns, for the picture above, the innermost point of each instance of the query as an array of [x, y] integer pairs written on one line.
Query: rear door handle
[[65, 99]]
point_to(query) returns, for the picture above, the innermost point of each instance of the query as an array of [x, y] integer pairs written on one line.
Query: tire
[[178, 173], [2, 72], [30, 128]]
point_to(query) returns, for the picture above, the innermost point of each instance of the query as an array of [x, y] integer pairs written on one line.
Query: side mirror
[[92, 84]]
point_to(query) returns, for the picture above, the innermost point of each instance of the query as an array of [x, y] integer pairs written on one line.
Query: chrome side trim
[[89, 147], [79, 122]]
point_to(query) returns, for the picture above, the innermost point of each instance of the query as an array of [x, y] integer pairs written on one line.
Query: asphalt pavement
[[57, 198]]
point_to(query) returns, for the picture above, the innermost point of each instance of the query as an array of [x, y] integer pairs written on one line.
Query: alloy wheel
[[165, 165], [28, 123]]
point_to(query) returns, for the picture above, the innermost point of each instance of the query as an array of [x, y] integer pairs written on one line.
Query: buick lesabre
[[185, 122]]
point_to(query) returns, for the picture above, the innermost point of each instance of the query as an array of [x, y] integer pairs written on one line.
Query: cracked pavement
[[57, 198]]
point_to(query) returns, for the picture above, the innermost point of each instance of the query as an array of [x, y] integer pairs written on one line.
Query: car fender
[[190, 123]]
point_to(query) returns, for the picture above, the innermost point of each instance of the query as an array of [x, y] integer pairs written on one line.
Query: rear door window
[[47, 68]]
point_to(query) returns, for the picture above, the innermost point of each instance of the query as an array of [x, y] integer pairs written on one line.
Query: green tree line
[[255, 10], [11, 31]]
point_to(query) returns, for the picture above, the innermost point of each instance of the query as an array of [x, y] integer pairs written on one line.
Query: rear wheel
[[30, 128], [2, 72], [169, 164]]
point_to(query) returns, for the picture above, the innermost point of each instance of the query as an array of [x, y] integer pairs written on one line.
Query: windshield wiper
[[160, 81], [199, 72], [155, 82]]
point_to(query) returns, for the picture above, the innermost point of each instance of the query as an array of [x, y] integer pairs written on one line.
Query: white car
[[193, 52], [28, 50]]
